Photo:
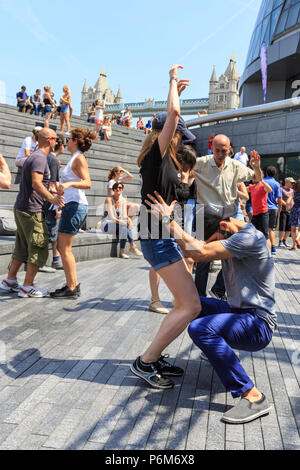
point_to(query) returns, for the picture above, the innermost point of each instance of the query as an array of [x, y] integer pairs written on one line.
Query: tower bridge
[[223, 96], [149, 107]]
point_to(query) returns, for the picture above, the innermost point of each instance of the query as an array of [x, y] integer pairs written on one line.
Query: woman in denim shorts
[[75, 179], [65, 103], [160, 171]]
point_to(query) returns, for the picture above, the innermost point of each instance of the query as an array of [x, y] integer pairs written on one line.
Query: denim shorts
[[47, 109], [161, 253], [64, 109], [72, 218]]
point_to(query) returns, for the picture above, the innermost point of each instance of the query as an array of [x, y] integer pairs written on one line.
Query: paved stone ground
[[66, 382]]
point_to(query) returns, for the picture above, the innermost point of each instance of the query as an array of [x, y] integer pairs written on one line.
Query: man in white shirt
[[28, 146], [217, 177], [242, 156]]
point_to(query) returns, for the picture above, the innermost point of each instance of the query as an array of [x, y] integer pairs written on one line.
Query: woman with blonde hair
[[49, 103], [160, 171], [65, 109], [106, 128], [75, 179]]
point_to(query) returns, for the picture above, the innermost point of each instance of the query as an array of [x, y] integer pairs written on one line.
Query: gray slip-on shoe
[[245, 411]]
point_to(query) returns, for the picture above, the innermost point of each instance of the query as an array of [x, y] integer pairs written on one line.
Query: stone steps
[[122, 150], [16, 138], [86, 246], [11, 113], [103, 161]]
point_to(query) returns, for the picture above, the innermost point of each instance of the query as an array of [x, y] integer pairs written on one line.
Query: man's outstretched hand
[[159, 207]]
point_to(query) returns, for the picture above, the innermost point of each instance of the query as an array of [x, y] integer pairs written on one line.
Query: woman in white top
[[120, 175], [106, 128], [117, 175], [117, 222], [75, 179], [99, 112], [127, 119]]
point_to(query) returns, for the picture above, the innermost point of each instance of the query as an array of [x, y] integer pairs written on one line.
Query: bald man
[[217, 177], [31, 245]]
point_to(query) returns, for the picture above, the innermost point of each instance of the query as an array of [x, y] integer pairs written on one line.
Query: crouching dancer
[[247, 321]]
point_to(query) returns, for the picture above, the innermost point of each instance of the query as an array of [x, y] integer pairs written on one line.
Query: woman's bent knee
[[193, 309]]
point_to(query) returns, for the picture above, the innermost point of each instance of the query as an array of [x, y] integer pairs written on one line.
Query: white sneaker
[[32, 292], [9, 287]]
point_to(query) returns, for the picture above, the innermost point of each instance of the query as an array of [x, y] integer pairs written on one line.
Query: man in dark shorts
[[284, 221], [31, 244], [52, 213], [274, 204]]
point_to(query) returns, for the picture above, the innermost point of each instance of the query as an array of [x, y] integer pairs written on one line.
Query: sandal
[[156, 306]]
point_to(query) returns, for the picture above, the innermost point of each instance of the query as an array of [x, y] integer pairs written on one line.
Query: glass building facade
[[275, 18], [286, 166]]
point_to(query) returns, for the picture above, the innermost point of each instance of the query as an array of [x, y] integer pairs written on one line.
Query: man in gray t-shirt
[[247, 321], [31, 244], [28, 198], [249, 275]]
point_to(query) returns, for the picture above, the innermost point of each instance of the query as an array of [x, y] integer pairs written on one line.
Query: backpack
[[7, 223]]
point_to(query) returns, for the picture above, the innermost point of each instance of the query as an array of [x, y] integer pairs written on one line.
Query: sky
[[65, 42]]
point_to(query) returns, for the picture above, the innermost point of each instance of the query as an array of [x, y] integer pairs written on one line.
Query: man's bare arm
[[5, 175], [198, 250]]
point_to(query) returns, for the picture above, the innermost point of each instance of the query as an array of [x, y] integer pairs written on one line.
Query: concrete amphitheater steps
[[122, 150]]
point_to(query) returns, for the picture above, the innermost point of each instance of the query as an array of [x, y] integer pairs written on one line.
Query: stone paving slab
[[66, 383]]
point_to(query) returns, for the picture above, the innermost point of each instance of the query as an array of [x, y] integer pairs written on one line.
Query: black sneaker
[[66, 293], [217, 294], [167, 369], [152, 374]]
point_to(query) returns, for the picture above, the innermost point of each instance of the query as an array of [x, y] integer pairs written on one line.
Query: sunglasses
[[119, 188]]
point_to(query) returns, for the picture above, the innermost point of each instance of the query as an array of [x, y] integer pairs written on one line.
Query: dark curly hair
[[187, 155], [84, 138]]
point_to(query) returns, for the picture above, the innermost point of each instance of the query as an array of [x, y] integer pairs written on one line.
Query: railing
[[151, 105], [245, 112]]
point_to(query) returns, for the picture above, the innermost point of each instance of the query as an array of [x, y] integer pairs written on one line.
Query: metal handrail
[[244, 112]]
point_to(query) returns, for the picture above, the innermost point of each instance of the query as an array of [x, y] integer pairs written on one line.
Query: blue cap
[[160, 120]]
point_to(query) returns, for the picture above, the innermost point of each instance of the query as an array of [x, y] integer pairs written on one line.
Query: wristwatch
[[166, 219]]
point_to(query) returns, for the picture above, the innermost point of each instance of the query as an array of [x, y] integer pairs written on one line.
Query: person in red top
[[140, 124], [259, 195], [210, 143]]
